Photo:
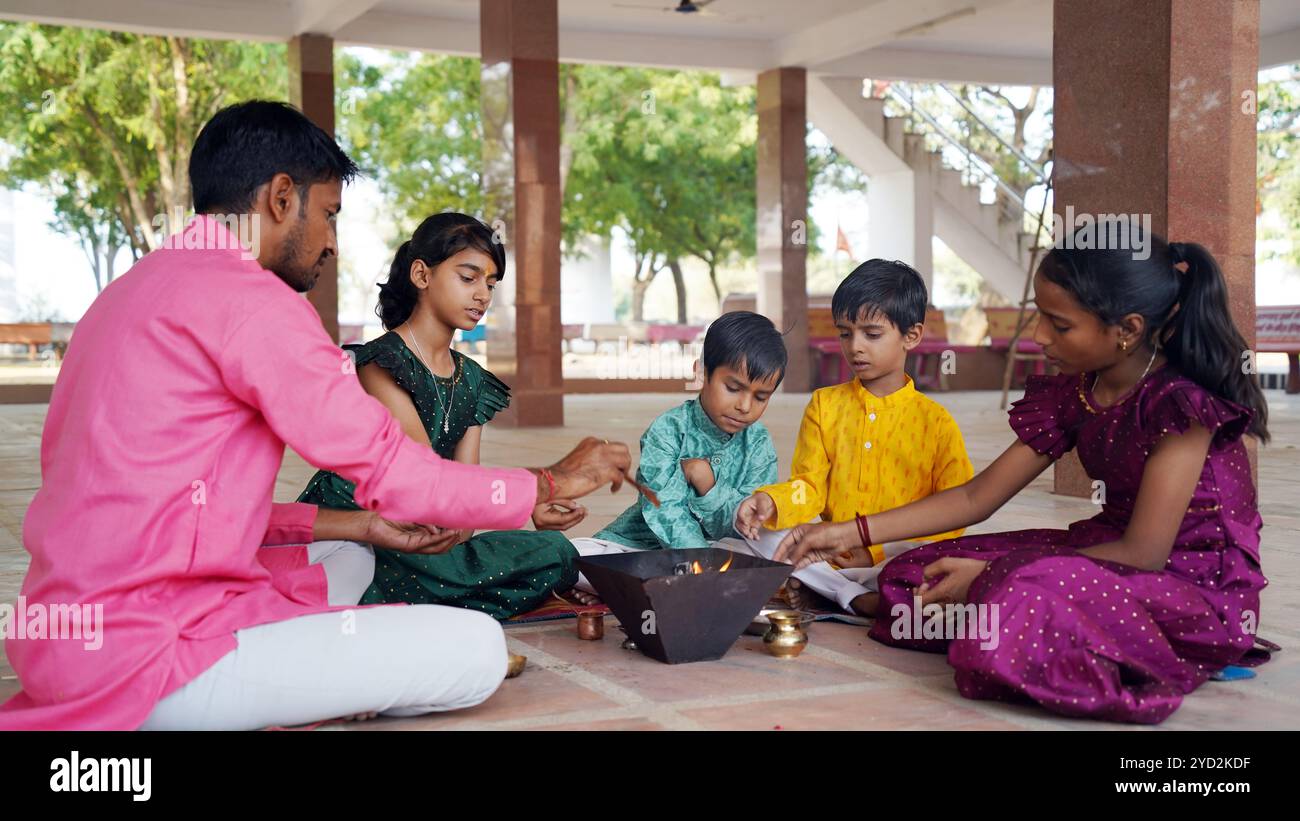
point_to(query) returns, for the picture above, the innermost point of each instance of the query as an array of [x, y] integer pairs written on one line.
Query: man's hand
[[560, 514], [752, 513], [700, 474], [408, 537], [954, 586], [592, 464]]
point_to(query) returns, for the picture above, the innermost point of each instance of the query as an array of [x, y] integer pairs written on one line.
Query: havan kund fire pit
[[684, 605]]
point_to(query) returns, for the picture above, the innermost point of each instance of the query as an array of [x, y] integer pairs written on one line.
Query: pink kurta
[[165, 432]]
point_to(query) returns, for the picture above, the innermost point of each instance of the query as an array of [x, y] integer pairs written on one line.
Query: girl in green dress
[[442, 279]]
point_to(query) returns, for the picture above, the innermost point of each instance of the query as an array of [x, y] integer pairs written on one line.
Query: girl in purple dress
[[1117, 616]]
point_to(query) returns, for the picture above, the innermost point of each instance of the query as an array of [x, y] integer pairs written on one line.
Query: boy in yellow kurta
[[865, 446]]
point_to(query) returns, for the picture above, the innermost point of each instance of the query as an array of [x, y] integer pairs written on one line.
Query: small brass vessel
[[591, 625], [787, 637]]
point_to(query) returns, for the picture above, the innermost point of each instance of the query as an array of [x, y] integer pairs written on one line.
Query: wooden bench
[[31, 334], [1277, 330], [1001, 327]]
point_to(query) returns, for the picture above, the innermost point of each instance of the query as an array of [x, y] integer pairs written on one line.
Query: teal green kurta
[[741, 463], [502, 573]]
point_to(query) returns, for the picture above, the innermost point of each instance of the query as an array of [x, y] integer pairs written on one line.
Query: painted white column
[[901, 207]]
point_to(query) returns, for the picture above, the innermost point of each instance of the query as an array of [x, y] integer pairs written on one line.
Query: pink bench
[[1277, 330]]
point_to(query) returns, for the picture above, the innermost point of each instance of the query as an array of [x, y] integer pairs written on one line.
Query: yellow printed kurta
[[862, 453]]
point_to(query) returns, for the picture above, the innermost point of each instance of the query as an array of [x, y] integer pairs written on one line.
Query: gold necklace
[[1093, 390], [446, 408]]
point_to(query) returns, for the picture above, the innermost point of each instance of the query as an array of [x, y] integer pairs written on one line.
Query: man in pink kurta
[[166, 429]]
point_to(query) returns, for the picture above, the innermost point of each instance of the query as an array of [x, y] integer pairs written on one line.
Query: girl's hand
[[821, 542], [560, 514], [957, 575]]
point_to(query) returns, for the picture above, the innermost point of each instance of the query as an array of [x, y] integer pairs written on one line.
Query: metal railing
[[974, 168]]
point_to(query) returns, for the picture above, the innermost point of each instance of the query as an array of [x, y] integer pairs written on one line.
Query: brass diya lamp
[[786, 638]]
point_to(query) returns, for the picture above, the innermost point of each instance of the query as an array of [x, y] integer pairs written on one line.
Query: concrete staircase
[[989, 241]]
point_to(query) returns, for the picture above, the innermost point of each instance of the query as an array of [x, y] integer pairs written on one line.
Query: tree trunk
[[679, 282], [110, 257], [91, 247], [638, 299], [717, 289]]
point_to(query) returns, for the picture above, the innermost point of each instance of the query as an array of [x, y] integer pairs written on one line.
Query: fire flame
[[697, 568]]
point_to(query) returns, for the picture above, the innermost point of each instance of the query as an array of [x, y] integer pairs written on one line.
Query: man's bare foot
[[361, 716], [866, 604]]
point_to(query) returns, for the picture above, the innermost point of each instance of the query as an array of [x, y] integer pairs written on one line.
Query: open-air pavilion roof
[[988, 41]]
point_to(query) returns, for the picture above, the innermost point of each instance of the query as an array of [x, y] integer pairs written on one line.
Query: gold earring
[[1123, 344]]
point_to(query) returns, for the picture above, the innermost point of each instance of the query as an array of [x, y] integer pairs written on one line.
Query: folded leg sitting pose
[[441, 280], [165, 432], [865, 446], [1120, 615]]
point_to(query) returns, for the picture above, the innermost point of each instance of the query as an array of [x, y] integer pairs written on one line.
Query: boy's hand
[[752, 513], [700, 474]]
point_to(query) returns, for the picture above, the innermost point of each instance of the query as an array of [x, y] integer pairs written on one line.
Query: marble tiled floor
[[844, 680]]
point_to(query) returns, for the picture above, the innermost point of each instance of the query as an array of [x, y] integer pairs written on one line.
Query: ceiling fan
[[683, 7]]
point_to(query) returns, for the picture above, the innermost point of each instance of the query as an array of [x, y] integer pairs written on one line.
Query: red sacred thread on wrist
[[550, 483]]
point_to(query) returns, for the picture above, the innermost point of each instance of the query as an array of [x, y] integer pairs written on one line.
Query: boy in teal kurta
[[705, 456]]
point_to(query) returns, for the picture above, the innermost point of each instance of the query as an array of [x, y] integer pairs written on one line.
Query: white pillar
[[902, 218]]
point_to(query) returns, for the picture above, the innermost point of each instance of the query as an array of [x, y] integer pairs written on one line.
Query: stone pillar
[[311, 89], [1154, 114], [783, 215], [520, 95]]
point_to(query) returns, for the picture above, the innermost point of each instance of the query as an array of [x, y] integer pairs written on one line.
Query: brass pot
[[591, 625], [786, 638]]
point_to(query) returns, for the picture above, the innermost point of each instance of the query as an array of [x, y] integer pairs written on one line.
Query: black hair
[[1186, 312], [244, 145], [883, 286], [438, 238], [745, 341]]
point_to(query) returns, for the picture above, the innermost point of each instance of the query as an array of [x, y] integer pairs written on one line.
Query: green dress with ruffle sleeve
[[502, 573]]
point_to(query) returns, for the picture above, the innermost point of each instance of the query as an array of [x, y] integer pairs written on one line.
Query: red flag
[[842, 242]]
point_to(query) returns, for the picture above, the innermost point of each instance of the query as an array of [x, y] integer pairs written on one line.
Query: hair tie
[[1181, 267]]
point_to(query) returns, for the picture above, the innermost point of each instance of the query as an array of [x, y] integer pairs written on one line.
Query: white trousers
[[840, 586], [397, 661]]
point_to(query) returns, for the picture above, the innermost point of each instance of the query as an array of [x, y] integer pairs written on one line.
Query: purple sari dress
[[1093, 638]]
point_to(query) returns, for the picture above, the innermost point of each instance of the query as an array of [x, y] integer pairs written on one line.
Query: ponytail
[[1179, 291], [1202, 342], [397, 296]]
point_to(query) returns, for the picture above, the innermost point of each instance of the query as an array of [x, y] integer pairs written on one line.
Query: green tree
[[1278, 150], [103, 123], [412, 122]]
